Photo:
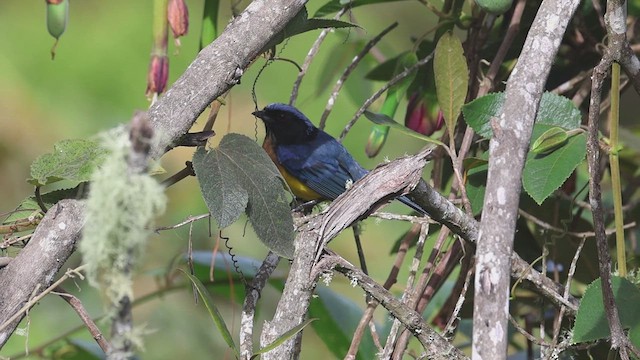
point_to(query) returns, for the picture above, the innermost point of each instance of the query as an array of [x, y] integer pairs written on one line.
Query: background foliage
[[98, 79]]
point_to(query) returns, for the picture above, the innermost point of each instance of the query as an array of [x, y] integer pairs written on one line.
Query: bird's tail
[[405, 200]]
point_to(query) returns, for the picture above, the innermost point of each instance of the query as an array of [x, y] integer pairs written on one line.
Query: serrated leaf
[[301, 24], [338, 318], [72, 160], [225, 198], [554, 110], [452, 78], [335, 5], [381, 119], [240, 160], [591, 321], [543, 174], [29, 207], [214, 313]]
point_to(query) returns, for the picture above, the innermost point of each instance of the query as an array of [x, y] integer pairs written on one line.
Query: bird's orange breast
[[299, 189]]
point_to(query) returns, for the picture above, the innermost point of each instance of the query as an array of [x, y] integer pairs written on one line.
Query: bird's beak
[[258, 113]]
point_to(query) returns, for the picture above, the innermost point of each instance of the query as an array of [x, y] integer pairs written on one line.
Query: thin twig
[[356, 60], [407, 297], [524, 332], [572, 270], [310, 56], [433, 343], [579, 235], [68, 274], [391, 279], [188, 220], [396, 79], [451, 325], [76, 305]]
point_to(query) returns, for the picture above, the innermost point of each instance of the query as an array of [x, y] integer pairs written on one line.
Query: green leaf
[[554, 110], [384, 71], [452, 78], [239, 175], [476, 182], [284, 337], [549, 141], [591, 321], [209, 31], [338, 318], [382, 119], [479, 112], [335, 5], [301, 24], [222, 192], [634, 334], [73, 160], [543, 174], [214, 313]]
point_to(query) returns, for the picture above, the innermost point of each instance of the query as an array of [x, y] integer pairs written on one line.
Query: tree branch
[[218, 67], [35, 267], [508, 149]]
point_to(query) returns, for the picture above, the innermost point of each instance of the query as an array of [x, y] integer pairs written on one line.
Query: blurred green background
[[98, 80]]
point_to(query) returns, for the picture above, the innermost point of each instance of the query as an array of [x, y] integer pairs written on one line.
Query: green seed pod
[[57, 17], [495, 7], [549, 141]]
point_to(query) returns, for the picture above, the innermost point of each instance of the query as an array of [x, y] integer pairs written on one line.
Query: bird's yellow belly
[[299, 189]]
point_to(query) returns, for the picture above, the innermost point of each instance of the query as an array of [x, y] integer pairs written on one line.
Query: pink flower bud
[[420, 118], [158, 74], [178, 15]]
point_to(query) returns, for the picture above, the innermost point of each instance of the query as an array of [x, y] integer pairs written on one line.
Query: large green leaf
[[591, 321], [338, 318], [452, 78], [72, 160], [554, 110], [543, 174], [224, 195], [239, 175]]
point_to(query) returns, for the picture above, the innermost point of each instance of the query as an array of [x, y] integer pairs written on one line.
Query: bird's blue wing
[[324, 165]]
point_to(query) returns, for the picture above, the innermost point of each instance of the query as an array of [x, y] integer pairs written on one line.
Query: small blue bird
[[312, 162]]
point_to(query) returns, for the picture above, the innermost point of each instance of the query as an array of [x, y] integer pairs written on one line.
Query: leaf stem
[[615, 168]]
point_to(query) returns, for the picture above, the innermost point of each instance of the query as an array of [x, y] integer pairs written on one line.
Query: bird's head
[[286, 124]]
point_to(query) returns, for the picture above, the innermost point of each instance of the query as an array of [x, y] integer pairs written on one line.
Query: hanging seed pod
[[57, 18]]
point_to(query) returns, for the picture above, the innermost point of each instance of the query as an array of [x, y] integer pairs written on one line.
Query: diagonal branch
[[34, 269]]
